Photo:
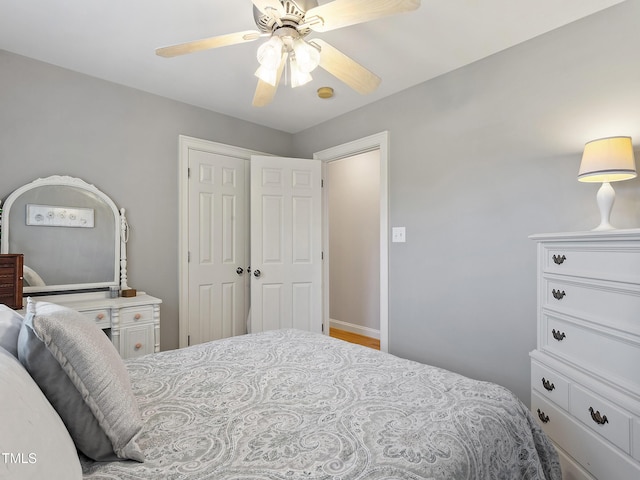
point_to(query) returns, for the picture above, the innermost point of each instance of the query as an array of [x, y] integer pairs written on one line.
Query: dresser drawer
[[614, 305], [550, 384], [601, 416], [610, 261], [100, 317], [571, 470], [584, 346], [636, 439], [133, 315], [595, 455]]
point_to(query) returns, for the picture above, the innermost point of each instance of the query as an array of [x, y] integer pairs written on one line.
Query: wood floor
[[355, 338]]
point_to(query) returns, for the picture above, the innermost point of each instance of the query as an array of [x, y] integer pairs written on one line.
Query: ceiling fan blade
[[265, 91], [208, 43], [265, 5], [345, 69], [342, 13]]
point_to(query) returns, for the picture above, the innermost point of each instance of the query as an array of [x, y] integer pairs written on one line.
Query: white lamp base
[[606, 197]]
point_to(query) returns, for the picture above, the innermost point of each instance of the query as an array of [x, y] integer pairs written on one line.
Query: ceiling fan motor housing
[[295, 11]]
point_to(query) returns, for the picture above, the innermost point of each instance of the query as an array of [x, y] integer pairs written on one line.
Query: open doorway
[[353, 192], [375, 143]]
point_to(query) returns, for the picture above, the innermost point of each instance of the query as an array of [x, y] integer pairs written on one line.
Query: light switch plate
[[398, 235]]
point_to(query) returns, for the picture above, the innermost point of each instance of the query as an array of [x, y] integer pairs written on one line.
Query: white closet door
[[286, 244], [217, 239]]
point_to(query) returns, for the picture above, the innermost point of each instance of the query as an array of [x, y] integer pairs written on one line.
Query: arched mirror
[[69, 232]]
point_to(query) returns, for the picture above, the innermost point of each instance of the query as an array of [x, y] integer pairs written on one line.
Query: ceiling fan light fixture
[[268, 75], [270, 53], [298, 76], [307, 56]]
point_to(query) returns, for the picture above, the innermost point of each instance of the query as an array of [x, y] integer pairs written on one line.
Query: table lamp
[[607, 160]]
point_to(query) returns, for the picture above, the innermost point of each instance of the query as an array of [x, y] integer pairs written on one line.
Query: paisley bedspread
[[291, 405]]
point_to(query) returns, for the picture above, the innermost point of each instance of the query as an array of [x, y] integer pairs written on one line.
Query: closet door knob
[[257, 273], [239, 270]]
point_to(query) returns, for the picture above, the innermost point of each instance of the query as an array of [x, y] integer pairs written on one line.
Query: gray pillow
[[10, 323], [80, 372], [31, 430]]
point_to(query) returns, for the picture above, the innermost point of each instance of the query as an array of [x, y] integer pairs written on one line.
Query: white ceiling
[[116, 39]]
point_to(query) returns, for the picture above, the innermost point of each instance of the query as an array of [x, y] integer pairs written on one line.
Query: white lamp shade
[[298, 77], [307, 56], [268, 75], [607, 160], [270, 53]]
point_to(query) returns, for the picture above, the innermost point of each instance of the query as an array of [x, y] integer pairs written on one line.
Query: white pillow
[[10, 323], [83, 377], [34, 442]]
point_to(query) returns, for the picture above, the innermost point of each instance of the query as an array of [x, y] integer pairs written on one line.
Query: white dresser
[[132, 323], [585, 372]]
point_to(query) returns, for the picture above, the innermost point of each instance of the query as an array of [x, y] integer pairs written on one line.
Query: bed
[[291, 405]]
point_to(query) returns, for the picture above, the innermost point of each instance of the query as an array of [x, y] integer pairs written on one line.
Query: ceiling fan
[[287, 23]]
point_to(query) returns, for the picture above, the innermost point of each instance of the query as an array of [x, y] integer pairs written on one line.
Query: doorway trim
[[379, 141], [185, 144]]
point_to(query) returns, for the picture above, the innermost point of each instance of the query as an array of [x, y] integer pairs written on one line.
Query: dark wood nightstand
[[11, 279]]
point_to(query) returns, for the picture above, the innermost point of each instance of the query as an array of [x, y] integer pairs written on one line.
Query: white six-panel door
[[218, 214], [286, 244]]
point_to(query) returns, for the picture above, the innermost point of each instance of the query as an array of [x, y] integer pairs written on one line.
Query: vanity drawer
[[100, 317], [614, 305], [601, 416], [133, 315], [610, 261], [599, 458], [582, 346], [550, 384], [137, 340]]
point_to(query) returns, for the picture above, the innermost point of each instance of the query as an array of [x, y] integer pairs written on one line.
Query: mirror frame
[[120, 231]]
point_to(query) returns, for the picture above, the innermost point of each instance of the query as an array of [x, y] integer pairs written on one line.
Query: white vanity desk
[[132, 323], [73, 238]]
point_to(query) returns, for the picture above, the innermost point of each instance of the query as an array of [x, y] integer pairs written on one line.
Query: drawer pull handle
[[543, 418], [558, 335], [557, 294], [137, 316], [559, 260], [596, 417], [138, 346], [547, 384], [100, 316]]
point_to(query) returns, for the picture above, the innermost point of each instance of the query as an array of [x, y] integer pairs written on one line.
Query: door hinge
[[188, 257], [323, 327], [188, 172], [322, 255], [188, 340], [322, 183]]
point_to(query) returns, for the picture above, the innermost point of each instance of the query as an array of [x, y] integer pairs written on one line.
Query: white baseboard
[[352, 328]]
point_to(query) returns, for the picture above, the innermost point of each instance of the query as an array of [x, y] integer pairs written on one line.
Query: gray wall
[[481, 158], [353, 191], [125, 142]]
